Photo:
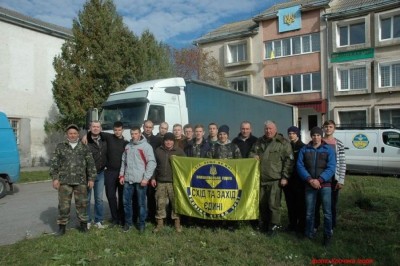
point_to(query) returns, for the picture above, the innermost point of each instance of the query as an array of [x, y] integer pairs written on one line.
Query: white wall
[[26, 72]]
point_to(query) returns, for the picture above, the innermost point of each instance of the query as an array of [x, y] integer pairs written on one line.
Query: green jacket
[[276, 158], [72, 166]]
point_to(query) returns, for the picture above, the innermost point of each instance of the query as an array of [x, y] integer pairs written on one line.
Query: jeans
[[335, 199], [140, 191], [311, 198], [98, 199]]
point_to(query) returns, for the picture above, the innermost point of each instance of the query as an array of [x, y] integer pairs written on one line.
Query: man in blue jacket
[[316, 165]]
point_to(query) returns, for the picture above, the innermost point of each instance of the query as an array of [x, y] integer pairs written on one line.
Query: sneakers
[[273, 231], [99, 225], [89, 225]]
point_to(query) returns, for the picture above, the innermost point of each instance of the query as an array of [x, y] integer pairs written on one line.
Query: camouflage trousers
[[165, 194], [64, 202]]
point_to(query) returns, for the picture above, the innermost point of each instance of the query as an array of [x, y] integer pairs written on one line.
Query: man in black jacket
[[245, 139], [98, 148], [294, 191], [115, 147]]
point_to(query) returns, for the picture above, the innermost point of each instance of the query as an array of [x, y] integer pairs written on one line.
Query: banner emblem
[[214, 190]]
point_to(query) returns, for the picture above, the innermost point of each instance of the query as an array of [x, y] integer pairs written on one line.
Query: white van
[[371, 150]]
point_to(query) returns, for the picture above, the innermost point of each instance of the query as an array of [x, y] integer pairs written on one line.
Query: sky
[[175, 22]]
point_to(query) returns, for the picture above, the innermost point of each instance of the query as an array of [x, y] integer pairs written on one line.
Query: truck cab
[[158, 100], [372, 149], [9, 156]]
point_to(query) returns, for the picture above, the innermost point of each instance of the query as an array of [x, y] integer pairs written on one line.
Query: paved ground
[[31, 211]]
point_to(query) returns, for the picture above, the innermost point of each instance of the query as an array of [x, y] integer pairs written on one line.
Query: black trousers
[[295, 202], [112, 185]]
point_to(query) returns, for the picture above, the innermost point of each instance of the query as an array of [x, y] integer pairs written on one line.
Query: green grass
[[369, 232], [34, 176]]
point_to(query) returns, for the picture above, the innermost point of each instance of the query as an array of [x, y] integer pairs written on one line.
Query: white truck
[[372, 150], [175, 100]]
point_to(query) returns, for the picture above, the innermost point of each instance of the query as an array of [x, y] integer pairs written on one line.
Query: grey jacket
[[138, 161]]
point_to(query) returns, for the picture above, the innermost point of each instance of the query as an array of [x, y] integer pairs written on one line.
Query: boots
[[160, 225], [178, 226], [61, 230], [83, 227]]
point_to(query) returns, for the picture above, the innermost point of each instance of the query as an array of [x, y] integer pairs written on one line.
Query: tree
[[102, 57], [155, 60], [195, 63]]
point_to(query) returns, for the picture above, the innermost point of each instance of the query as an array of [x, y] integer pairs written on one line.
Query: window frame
[[348, 68], [348, 22], [15, 124], [280, 79], [390, 64], [378, 28], [365, 109], [348, 65], [279, 42], [246, 50], [245, 79]]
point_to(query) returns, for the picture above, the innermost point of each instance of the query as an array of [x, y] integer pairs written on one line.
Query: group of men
[[308, 174]]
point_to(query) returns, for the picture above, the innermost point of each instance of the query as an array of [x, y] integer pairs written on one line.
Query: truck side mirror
[[91, 115]]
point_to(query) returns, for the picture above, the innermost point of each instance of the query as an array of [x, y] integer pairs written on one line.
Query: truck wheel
[[3, 187]]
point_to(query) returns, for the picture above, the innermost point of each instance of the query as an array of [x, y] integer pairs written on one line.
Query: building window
[[352, 34], [237, 53], [390, 116], [389, 27], [239, 84], [389, 74], [352, 78], [15, 125], [353, 117], [292, 46], [294, 83]]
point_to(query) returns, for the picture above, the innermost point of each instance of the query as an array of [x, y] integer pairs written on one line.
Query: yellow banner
[[216, 189]]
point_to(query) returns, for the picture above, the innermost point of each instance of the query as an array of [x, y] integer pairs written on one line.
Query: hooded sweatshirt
[[138, 161]]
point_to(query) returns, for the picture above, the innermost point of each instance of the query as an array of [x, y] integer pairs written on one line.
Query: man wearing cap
[[224, 148], [162, 179], [294, 191], [73, 171], [276, 165], [316, 165]]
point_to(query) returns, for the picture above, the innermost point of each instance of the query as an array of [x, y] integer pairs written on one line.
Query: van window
[[391, 138]]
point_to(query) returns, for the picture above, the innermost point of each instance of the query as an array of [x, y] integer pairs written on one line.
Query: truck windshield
[[130, 114]]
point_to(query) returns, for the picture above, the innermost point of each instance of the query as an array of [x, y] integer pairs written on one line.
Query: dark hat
[[316, 130], [294, 130], [72, 126], [169, 136], [223, 128]]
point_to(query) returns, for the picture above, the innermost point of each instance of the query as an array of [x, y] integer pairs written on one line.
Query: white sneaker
[[99, 225], [89, 225]]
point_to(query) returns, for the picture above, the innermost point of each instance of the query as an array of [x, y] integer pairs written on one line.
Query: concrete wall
[[26, 72]]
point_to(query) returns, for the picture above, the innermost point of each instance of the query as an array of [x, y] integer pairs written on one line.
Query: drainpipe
[[327, 68]]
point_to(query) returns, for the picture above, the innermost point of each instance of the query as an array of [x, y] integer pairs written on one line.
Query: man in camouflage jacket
[[276, 165], [73, 171]]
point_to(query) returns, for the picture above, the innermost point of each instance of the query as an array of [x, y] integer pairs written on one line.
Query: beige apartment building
[[332, 59]]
